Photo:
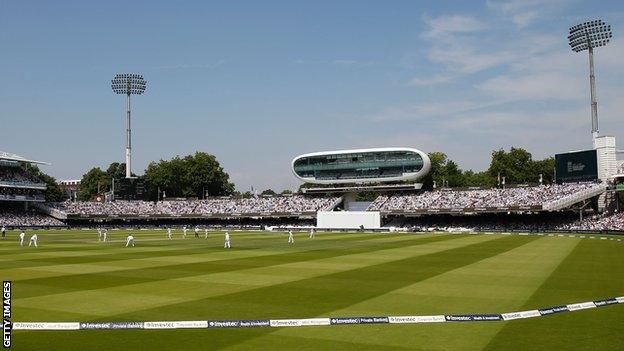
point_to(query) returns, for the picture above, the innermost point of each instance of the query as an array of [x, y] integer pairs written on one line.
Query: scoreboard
[[578, 166], [129, 189]]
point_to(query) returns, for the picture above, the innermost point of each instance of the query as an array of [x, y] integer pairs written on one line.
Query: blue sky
[[257, 83]]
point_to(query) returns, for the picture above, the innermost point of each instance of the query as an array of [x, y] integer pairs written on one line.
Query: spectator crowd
[[14, 217], [461, 199], [296, 204], [597, 222], [275, 204], [17, 175]]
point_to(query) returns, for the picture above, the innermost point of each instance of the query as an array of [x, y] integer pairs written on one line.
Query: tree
[[454, 176], [268, 192], [117, 170], [436, 173], [546, 168], [247, 194], [53, 192], [515, 165], [443, 171], [191, 176], [286, 192], [93, 181], [478, 179], [96, 181], [518, 166]]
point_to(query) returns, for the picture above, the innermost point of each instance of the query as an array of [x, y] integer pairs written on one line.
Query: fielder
[[130, 240], [99, 230], [21, 236], [196, 231], [169, 233], [105, 235], [206, 233], [3, 231], [33, 240], [291, 239], [185, 230], [312, 233], [227, 243]]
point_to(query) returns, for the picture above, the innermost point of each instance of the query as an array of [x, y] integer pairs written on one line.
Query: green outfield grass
[[72, 277]]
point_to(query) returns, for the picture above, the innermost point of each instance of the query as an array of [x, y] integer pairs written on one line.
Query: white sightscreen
[[348, 219]]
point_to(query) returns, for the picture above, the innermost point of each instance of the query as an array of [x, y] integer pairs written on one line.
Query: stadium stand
[[21, 194], [286, 204], [19, 218], [503, 222], [295, 204], [597, 223], [529, 198], [19, 189], [16, 182], [13, 174]]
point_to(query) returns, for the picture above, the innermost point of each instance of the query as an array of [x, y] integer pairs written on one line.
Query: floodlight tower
[[587, 36], [128, 84]]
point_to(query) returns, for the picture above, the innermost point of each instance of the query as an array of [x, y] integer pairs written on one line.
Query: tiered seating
[[274, 204], [466, 199], [13, 217]]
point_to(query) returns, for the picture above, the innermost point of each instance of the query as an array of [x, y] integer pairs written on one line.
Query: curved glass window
[[379, 164]]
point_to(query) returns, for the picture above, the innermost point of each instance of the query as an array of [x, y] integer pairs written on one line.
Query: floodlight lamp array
[[128, 84], [590, 34]]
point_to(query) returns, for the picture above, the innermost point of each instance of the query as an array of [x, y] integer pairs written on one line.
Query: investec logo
[[345, 320], [575, 167], [6, 314], [252, 323], [285, 323], [223, 324], [458, 318]]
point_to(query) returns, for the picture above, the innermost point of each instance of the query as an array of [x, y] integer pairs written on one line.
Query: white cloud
[[531, 91], [542, 86], [429, 110], [525, 18], [431, 80], [351, 63], [336, 62], [465, 59], [461, 45], [440, 27], [194, 66], [524, 12]]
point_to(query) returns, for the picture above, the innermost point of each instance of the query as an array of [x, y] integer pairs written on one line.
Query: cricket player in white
[[227, 244], [3, 231], [33, 240], [206, 233], [130, 240], [312, 233], [105, 235], [21, 236], [291, 239], [185, 230], [99, 234], [197, 231], [169, 233]]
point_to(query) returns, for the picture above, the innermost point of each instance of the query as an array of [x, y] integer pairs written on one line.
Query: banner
[[331, 321]]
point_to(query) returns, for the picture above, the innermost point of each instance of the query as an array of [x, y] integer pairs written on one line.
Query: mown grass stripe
[[410, 336], [496, 284], [320, 295], [592, 271], [197, 287], [120, 253], [78, 282]]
